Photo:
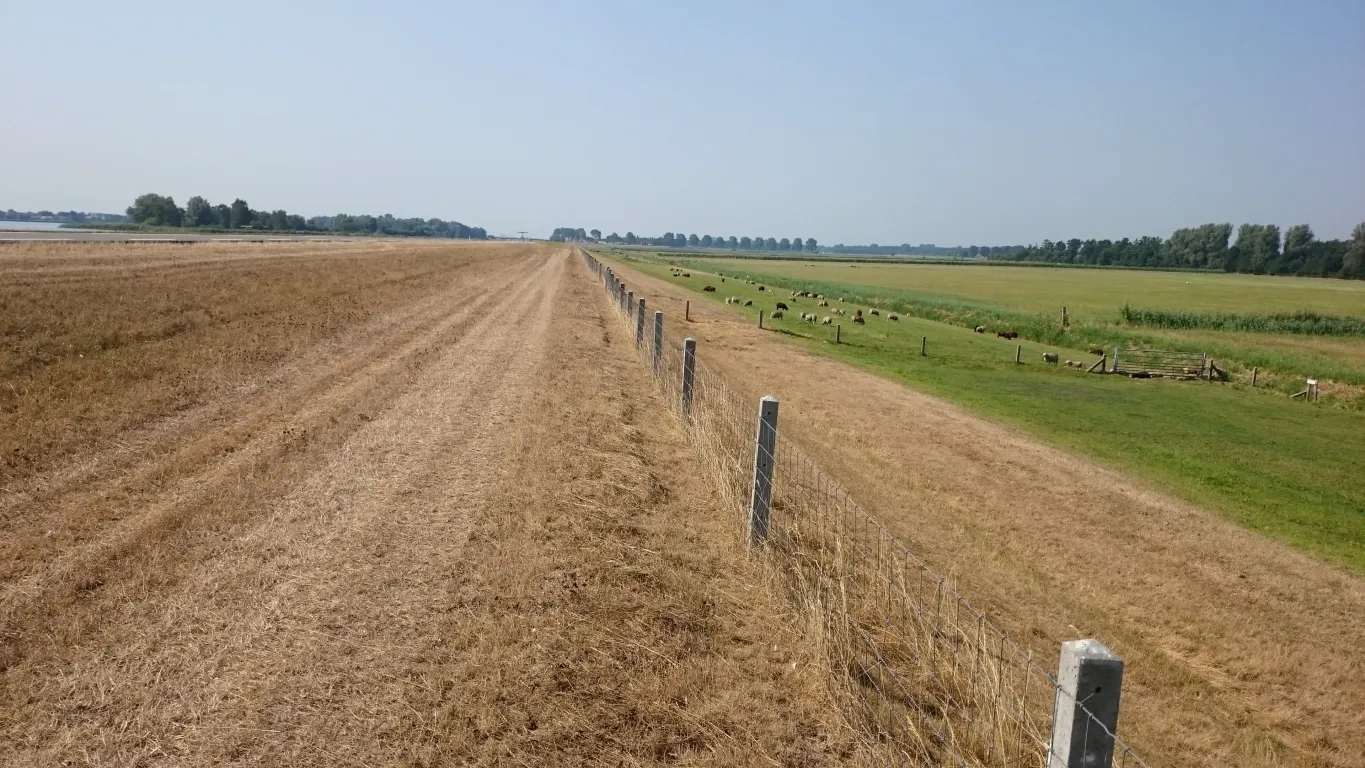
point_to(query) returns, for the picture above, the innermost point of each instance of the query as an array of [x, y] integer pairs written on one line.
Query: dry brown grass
[[1240, 650], [452, 528], [96, 339]]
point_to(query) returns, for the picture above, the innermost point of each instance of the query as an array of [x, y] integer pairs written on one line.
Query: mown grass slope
[[1289, 469]]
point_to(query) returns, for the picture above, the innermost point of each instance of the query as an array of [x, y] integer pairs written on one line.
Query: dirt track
[[461, 532], [1240, 651]]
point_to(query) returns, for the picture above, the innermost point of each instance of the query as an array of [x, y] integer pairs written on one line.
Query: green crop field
[[1293, 470]]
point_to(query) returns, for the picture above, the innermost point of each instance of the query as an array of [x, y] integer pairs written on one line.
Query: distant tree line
[[161, 211], [928, 249], [61, 217], [670, 240], [1259, 250]]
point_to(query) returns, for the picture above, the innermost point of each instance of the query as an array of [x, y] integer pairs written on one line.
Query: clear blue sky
[[946, 122]]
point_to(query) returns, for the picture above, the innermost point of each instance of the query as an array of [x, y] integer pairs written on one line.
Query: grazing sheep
[[748, 303], [1095, 349], [1007, 334], [1050, 357], [980, 329], [777, 314], [874, 312], [859, 320], [841, 299], [823, 303], [709, 289], [760, 287], [687, 274], [782, 305], [839, 312], [893, 316], [820, 296], [827, 320], [722, 279]]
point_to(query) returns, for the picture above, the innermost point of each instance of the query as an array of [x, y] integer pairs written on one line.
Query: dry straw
[[922, 677]]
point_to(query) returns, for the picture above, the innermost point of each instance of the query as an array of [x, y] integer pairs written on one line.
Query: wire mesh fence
[[923, 676]]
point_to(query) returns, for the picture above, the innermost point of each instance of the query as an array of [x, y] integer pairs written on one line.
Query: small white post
[[658, 340], [1085, 715], [760, 503], [689, 373]]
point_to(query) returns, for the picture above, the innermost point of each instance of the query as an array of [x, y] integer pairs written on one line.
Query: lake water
[[30, 225]]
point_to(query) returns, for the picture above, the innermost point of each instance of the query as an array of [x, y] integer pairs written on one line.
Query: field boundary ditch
[[920, 675]]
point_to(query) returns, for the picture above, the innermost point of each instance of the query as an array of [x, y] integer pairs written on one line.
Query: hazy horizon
[[955, 124]]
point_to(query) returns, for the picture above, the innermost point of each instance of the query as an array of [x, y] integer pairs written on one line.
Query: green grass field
[[1292, 470], [1029, 300], [1085, 292]]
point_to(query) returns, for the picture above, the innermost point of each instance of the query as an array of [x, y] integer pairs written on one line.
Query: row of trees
[[671, 240], [929, 249], [1259, 249], [161, 210], [62, 217]]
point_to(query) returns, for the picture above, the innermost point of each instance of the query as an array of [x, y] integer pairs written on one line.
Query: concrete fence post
[[658, 341], [689, 374], [765, 450], [1085, 715], [640, 325]]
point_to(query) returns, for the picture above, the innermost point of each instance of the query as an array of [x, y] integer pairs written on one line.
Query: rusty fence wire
[[921, 675]]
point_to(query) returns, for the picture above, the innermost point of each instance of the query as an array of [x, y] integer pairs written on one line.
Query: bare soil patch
[[1240, 651]]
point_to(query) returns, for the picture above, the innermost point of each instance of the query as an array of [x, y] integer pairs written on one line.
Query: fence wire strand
[[921, 674]]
